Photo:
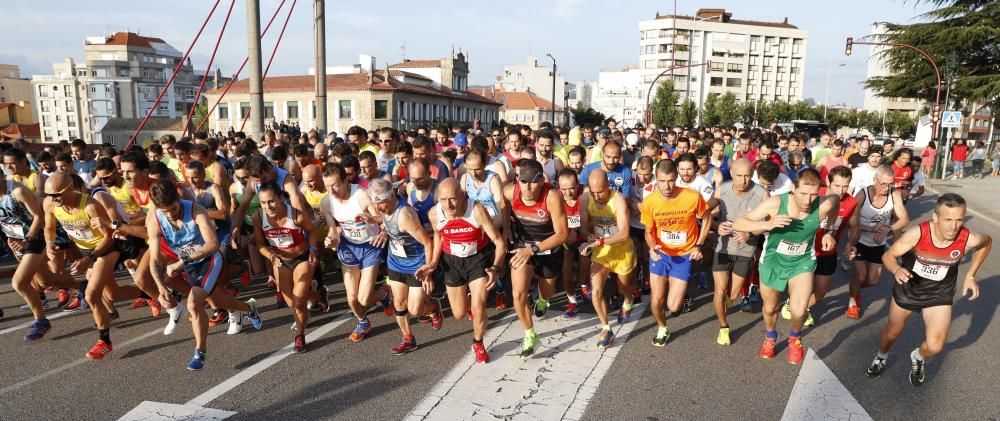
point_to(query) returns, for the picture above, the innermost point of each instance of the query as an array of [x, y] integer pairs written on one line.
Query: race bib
[[356, 232], [931, 272], [605, 231], [188, 250], [788, 248], [463, 249], [15, 232], [81, 233], [574, 221], [396, 248], [280, 240], [674, 238]]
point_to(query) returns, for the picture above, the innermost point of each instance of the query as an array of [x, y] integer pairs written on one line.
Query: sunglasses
[[59, 193], [534, 179]]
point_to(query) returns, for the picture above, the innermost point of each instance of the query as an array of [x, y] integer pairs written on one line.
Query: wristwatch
[[115, 224], [535, 249], [185, 260], [494, 268]]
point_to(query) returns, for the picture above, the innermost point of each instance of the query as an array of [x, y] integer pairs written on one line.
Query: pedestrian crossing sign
[[951, 119]]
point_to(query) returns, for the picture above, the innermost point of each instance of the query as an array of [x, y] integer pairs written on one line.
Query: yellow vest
[[77, 225]]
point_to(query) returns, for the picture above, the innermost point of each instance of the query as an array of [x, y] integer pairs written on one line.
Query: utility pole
[[553, 89], [256, 82], [319, 43], [946, 142]]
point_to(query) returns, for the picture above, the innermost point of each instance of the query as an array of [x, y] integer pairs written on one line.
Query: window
[[244, 110], [751, 89], [292, 110], [763, 90], [650, 64], [734, 68], [67, 91], [45, 106], [766, 75], [70, 120], [740, 38], [781, 61], [716, 81], [344, 108], [767, 61], [734, 83], [796, 46], [223, 110], [650, 49], [793, 92], [754, 60], [69, 106], [717, 53], [381, 108], [716, 66], [72, 134], [778, 90], [268, 109], [767, 69], [45, 121], [781, 76], [781, 70]]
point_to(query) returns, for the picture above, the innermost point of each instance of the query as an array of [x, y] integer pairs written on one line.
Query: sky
[[585, 36]]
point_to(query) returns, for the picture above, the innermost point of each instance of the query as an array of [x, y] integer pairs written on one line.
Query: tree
[[728, 109], [961, 36], [872, 121], [200, 113], [900, 124], [710, 111], [663, 108], [587, 116], [688, 112]]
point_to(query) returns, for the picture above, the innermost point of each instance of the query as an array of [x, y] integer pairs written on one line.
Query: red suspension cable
[[211, 60], [274, 52], [240, 70], [177, 70]]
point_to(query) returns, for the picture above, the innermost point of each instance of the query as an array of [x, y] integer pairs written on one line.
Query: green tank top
[[794, 243], [253, 207]]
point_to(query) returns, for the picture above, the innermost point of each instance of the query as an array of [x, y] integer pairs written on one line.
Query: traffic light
[[850, 45]]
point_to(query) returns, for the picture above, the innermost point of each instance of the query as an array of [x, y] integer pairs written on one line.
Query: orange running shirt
[[675, 220]]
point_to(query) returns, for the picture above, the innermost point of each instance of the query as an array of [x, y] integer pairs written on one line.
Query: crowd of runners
[[420, 222]]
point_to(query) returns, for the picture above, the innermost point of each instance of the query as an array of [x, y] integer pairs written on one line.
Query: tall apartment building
[[619, 94], [755, 60], [530, 76], [120, 77], [877, 68]]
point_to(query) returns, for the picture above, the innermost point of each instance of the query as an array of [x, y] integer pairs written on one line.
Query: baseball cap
[[461, 140], [530, 175], [604, 132], [632, 139]]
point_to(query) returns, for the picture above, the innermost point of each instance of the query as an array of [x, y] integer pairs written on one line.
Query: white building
[[753, 59], [877, 67], [619, 94], [530, 76]]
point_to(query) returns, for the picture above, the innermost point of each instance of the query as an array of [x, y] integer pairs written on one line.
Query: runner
[[571, 193], [926, 279], [734, 251], [671, 219], [408, 242], [870, 229], [420, 190], [483, 186], [788, 259], [287, 239], [184, 234], [15, 165], [314, 191], [539, 228], [355, 235], [471, 251], [642, 187], [605, 223], [618, 174]]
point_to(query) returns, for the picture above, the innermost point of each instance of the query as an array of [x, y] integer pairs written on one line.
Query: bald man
[[604, 219], [313, 190], [734, 251]]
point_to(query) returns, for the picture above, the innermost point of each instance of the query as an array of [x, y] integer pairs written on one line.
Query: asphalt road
[[690, 378]]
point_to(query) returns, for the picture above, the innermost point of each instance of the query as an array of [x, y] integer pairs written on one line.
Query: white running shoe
[[235, 322], [175, 314]]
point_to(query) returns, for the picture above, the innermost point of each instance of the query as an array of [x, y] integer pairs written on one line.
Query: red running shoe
[[154, 307], [482, 357], [767, 349], [501, 302], [408, 344], [795, 352], [140, 302], [437, 317], [99, 350]]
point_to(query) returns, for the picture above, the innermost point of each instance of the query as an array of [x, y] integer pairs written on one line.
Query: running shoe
[[795, 351], [386, 301], [636, 295], [300, 344], [754, 294], [235, 322], [541, 306], [219, 316], [114, 315], [407, 345], [767, 349], [745, 305], [63, 296], [73, 304], [174, 314], [255, 320], [437, 317], [853, 311], [623, 315], [245, 276], [154, 307], [606, 338], [139, 302], [197, 361], [588, 294], [364, 326], [809, 319], [876, 368], [571, 310], [500, 301], [324, 299], [38, 330], [917, 370], [687, 303], [280, 301], [99, 350], [528, 345], [786, 311], [482, 357], [661, 340], [424, 319], [723, 338]]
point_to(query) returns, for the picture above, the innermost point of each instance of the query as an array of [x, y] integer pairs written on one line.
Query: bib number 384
[[674, 238]]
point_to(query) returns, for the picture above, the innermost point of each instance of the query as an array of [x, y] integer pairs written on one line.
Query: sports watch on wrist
[[535, 249]]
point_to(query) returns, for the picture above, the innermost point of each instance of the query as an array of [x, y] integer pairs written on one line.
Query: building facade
[[15, 89], [754, 60], [121, 76], [531, 77], [877, 68], [619, 94], [404, 96]]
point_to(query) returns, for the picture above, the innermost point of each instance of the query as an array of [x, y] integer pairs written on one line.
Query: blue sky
[[585, 36]]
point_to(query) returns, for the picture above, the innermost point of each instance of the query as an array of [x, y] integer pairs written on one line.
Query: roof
[[154, 123], [526, 101], [488, 92], [416, 64], [784, 24], [353, 81], [131, 39], [22, 131]]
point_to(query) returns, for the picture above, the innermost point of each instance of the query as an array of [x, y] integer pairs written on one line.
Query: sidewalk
[[981, 195]]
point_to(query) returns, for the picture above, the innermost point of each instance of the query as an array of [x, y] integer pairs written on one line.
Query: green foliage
[[663, 107], [689, 113], [587, 116], [200, 113], [900, 124]]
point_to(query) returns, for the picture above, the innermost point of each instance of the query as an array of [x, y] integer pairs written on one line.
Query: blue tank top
[[724, 168], [184, 240], [406, 254], [280, 179], [223, 229], [423, 206], [483, 195]]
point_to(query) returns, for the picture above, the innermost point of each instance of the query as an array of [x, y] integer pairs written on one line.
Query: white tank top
[[870, 215], [353, 226]]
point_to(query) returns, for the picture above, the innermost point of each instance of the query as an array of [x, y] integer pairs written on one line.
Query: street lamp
[[707, 63], [553, 88], [826, 99]]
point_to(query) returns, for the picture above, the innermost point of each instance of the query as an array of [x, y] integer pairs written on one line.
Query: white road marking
[[68, 366], [819, 395], [48, 315], [158, 411], [557, 383]]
